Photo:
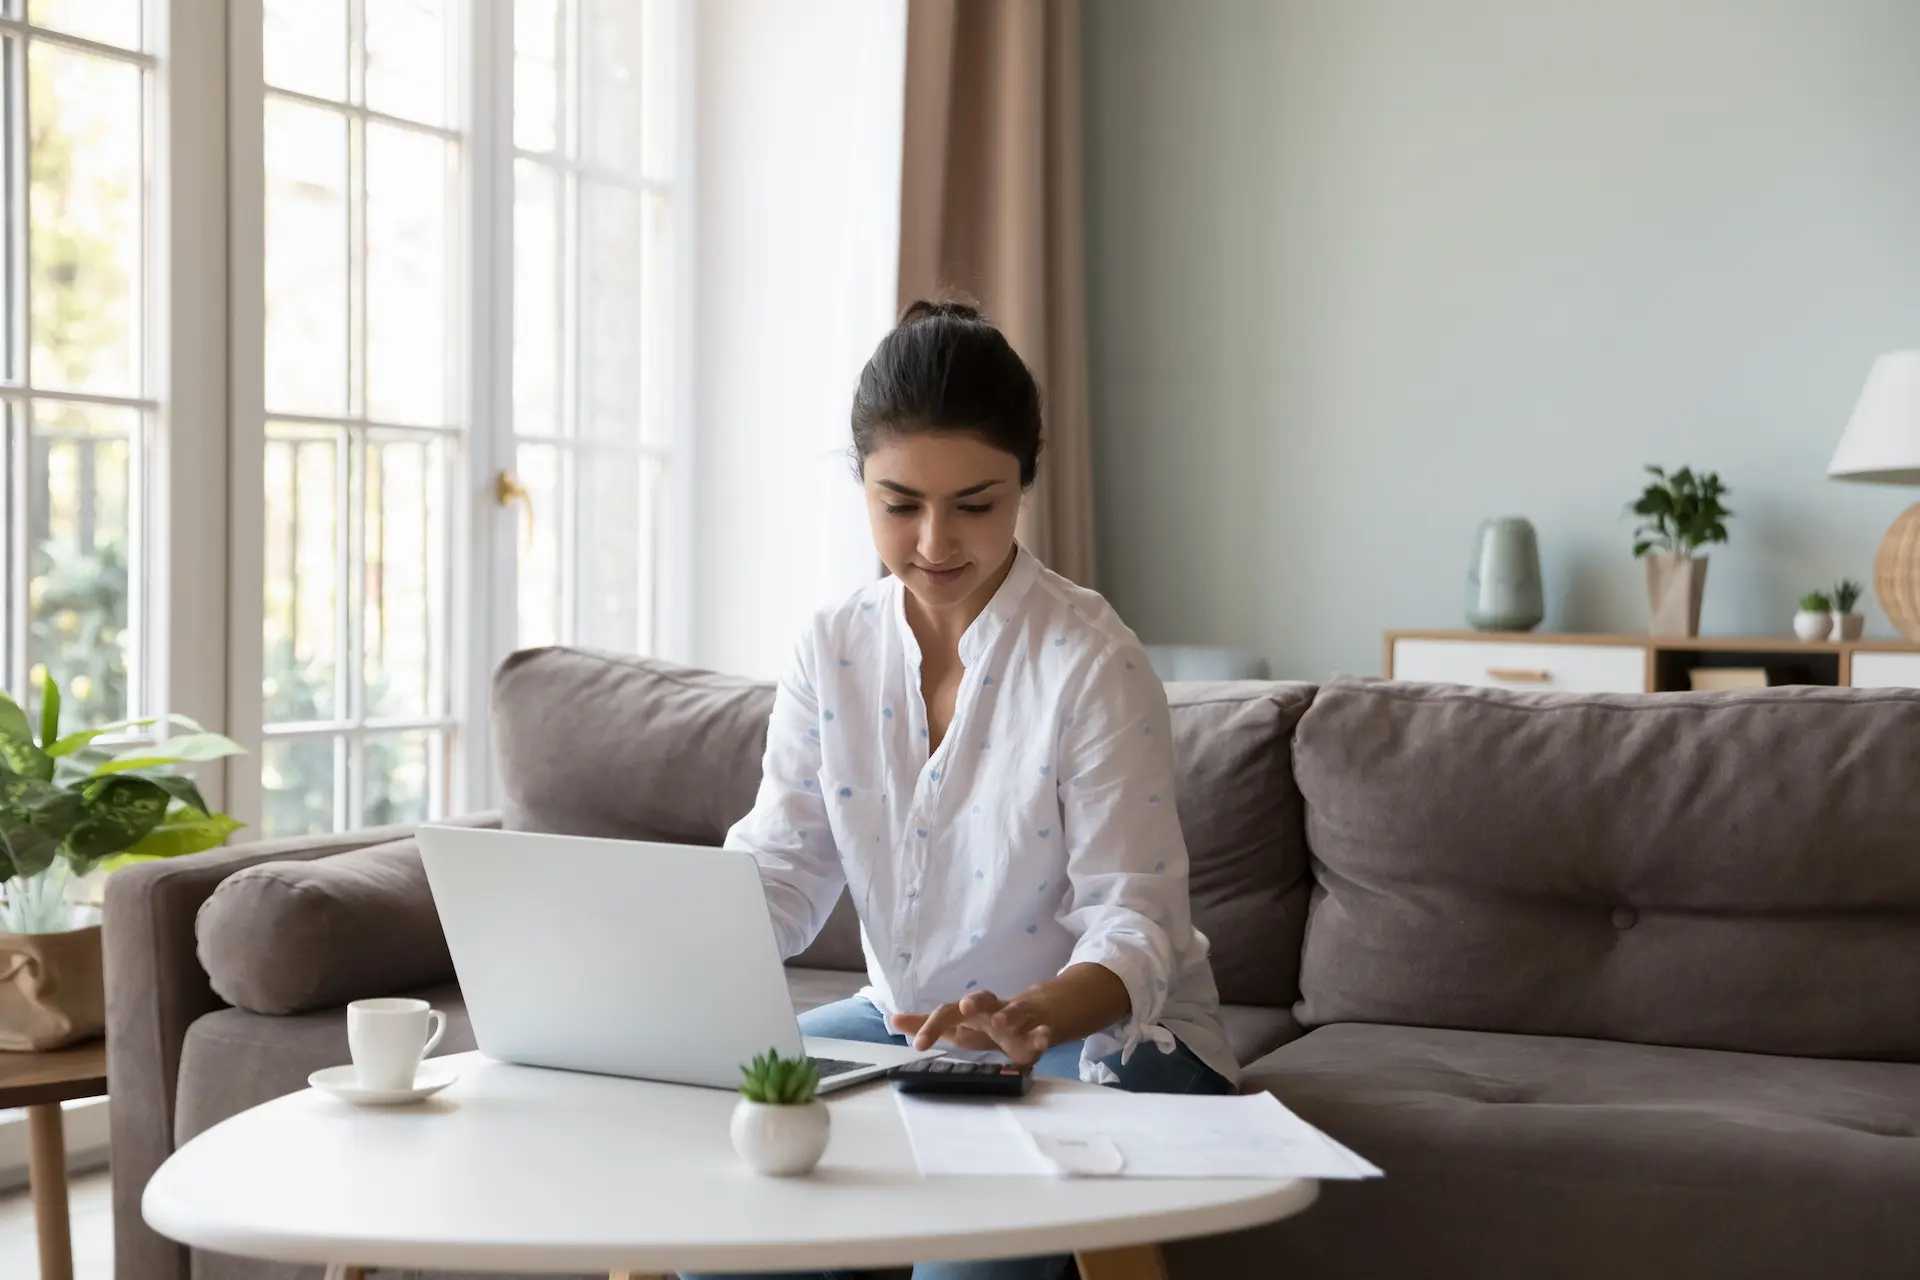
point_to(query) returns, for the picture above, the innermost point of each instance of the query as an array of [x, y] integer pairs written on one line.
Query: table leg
[[47, 1171], [341, 1271], [1142, 1262]]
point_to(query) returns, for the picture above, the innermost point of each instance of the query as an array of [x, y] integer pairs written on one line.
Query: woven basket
[[1896, 573]]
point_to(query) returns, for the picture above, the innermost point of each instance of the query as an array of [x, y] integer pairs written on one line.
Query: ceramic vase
[[1810, 625], [1675, 585], [780, 1141], [1848, 626], [1503, 581]]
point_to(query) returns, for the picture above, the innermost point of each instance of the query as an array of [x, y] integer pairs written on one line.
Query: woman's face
[[943, 507]]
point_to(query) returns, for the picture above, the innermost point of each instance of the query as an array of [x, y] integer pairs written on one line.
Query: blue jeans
[[1148, 1071]]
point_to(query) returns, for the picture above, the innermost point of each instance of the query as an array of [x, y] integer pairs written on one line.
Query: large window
[[362, 162], [434, 173], [77, 387], [591, 233]]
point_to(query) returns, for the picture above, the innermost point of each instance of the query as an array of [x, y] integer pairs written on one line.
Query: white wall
[[1363, 272], [798, 119]]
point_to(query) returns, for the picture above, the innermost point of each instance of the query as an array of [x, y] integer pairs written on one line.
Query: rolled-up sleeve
[[787, 830], [1126, 859]]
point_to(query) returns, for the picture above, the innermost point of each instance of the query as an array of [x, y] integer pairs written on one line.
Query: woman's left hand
[[1018, 1027]]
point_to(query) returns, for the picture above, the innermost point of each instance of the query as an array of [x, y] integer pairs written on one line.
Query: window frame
[[482, 618]]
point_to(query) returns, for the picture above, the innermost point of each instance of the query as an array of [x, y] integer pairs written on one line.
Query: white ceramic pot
[[1809, 625], [1848, 626], [781, 1141]]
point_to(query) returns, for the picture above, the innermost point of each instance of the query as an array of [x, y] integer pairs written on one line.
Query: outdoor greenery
[[66, 801], [1680, 513], [782, 1082]]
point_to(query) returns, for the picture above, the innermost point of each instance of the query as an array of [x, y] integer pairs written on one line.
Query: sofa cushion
[[1241, 815], [1732, 871], [596, 744], [287, 937], [1524, 1156]]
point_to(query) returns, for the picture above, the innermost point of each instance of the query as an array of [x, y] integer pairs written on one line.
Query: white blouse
[[1041, 834]]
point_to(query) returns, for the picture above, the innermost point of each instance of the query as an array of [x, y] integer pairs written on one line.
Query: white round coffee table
[[514, 1169]]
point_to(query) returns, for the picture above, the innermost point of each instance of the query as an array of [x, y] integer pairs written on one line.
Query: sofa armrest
[[156, 989]]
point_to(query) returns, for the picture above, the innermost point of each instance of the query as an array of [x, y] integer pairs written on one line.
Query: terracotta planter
[[52, 990], [1675, 585]]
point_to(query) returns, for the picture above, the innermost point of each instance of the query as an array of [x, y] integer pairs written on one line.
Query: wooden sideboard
[[1638, 664]]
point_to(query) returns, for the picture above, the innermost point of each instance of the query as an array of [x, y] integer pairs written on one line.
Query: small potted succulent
[[1847, 624], [1815, 619], [779, 1127]]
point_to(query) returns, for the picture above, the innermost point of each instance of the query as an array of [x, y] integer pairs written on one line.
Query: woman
[[978, 749]]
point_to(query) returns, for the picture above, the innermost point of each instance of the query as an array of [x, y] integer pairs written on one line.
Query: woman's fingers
[[942, 1022], [907, 1023], [1018, 1035]]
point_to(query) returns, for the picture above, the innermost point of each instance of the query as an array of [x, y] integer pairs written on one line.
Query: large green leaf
[[183, 790], [17, 748], [182, 833], [190, 748], [74, 741], [119, 811], [29, 849], [49, 710]]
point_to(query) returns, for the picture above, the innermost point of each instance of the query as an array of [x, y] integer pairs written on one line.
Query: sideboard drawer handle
[[1520, 675]]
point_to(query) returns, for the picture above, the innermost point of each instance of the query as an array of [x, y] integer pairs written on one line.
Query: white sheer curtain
[[797, 192]]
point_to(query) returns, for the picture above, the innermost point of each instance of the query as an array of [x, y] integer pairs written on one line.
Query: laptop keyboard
[[829, 1067]]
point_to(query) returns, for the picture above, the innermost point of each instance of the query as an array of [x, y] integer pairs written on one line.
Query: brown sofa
[[1609, 986]]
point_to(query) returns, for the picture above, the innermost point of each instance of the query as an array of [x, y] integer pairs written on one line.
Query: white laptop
[[654, 961]]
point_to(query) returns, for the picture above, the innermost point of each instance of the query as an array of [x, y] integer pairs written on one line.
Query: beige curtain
[[991, 206]]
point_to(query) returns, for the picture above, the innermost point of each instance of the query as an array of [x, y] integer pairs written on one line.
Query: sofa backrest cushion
[[599, 745], [1729, 871], [1241, 815]]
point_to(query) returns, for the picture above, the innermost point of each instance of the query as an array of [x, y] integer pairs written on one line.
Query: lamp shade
[[1882, 441]]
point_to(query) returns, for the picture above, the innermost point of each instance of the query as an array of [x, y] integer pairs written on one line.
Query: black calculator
[[955, 1077]]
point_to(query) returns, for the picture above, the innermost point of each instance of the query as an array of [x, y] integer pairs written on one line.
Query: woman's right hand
[[981, 1020]]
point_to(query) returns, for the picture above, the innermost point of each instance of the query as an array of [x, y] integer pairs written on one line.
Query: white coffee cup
[[389, 1037]]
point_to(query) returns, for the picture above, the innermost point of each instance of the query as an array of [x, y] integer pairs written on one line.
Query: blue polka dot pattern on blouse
[[1044, 832], [886, 713], [846, 662], [846, 793], [1158, 867], [1033, 928]]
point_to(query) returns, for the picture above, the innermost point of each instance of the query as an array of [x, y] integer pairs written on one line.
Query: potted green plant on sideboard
[[1679, 514], [1848, 622], [1815, 619], [69, 807]]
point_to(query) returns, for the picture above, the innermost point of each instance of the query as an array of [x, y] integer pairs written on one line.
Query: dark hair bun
[[943, 309], [944, 367]]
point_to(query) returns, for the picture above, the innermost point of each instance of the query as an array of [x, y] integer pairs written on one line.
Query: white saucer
[[344, 1084]]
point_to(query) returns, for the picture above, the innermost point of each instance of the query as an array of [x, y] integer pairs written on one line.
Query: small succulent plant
[[1816, 602], [1846, 594], [778, 1081]]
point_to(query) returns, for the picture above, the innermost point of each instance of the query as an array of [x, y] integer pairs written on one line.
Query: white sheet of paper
[[1181, 1136], [971, 1138], [1158, 1135]]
